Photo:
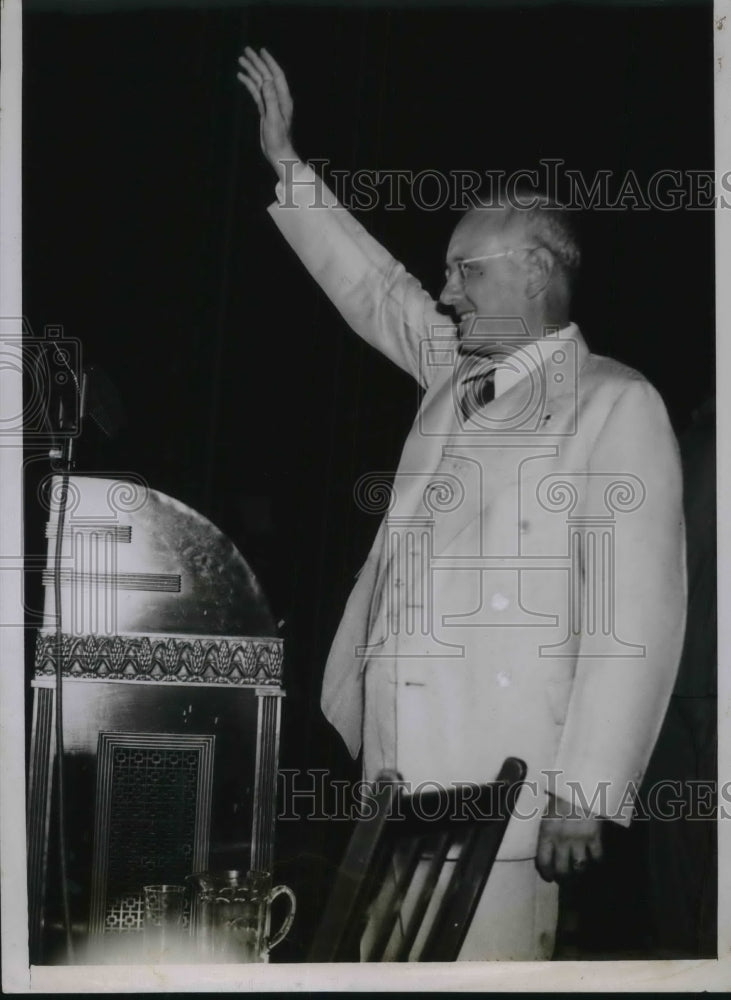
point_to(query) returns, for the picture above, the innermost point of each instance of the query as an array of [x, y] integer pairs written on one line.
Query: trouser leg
[[515, 919]]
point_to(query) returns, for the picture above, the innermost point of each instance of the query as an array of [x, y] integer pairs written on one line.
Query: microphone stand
[[63, 455]]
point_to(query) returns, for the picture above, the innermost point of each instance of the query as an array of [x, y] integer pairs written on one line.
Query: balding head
[[537, 220], [532, 258]]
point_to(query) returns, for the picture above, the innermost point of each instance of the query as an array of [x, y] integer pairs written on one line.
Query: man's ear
[[540, 265]]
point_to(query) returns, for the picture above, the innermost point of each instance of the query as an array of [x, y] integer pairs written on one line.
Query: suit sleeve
[[373, 292], [618, 702]]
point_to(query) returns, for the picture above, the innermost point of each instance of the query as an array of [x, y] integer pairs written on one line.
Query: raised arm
[[373, 292]]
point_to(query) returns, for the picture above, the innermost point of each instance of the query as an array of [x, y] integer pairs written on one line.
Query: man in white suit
[[525, 595]]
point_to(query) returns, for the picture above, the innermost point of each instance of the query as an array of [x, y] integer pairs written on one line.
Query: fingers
[[566, 847], [266, 82], [594, 846], [271, 103], [253, 90], [562, 859], [255, 65], [272, 63], [544, 856], [578, 858], [280, 81], [558, 860]]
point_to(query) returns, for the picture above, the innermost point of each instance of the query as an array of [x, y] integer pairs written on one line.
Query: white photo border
[[17, 975]]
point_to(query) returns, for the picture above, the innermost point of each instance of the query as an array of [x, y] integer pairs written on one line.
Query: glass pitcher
[[231, 914]]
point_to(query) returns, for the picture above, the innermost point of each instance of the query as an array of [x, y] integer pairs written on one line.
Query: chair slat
[[472, 870], [480, 831], [346, 902], [408, 859], [441, 849]]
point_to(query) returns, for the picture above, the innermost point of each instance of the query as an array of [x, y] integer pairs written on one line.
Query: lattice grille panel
[[127, 913], [152, 820], [152, 823]]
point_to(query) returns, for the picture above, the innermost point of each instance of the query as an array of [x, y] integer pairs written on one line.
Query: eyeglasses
[[463, 266]]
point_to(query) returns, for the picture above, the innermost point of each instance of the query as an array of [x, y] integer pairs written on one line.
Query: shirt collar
[[543, 355]]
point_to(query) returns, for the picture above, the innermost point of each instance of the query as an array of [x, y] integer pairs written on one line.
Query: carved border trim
[[163, 659]]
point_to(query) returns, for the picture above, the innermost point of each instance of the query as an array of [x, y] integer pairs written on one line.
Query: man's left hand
[[567, 841]]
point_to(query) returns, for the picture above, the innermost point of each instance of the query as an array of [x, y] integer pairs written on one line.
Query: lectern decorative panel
[[171, 709]]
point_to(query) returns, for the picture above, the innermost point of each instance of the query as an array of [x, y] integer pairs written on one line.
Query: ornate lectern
[[171, 708]]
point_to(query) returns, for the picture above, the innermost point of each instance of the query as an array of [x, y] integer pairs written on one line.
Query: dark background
[[246, 397]]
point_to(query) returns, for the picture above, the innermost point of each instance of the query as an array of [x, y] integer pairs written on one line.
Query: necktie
[[477, 389]]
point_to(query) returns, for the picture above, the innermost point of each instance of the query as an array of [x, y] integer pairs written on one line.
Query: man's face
[[493, 288]]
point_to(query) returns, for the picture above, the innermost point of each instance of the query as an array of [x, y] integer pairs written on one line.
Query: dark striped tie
[[477, 389]]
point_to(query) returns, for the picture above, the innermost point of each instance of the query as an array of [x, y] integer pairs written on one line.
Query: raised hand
[[265, 80]]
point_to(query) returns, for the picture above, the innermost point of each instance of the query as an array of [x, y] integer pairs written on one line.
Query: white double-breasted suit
[[525, 594]]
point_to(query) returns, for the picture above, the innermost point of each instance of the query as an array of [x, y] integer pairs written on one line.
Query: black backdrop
[[246, 397]]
